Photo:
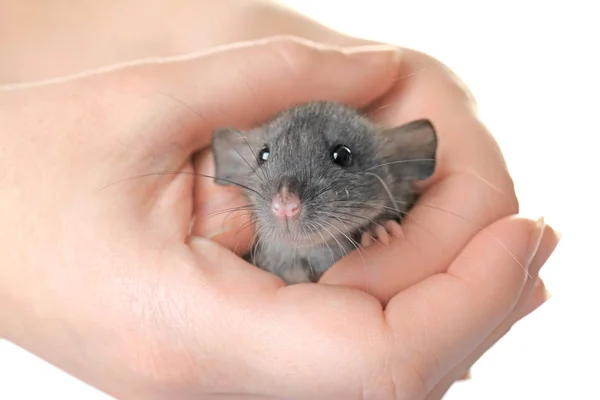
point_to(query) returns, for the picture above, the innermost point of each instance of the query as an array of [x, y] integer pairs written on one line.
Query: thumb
[[243, 84]]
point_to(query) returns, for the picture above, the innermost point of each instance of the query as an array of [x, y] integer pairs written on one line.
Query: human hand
[[445, 219], [103, 283], [291, 23], [448, 221]]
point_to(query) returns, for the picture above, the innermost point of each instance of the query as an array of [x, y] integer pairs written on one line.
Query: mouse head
[[321, 170]]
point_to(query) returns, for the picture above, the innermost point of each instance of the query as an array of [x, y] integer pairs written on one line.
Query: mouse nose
[[285, 205]]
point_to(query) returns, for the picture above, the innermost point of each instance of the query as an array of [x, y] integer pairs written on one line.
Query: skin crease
[[109, 299]]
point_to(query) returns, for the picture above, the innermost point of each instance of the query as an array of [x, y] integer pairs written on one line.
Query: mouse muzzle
[[286, 205]]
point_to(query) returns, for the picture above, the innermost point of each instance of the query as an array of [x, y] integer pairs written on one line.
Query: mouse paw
[[382, 233]]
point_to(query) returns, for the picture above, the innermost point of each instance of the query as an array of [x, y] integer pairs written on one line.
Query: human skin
[[117, 296]]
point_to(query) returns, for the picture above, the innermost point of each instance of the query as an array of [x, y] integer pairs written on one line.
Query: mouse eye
[[342, 155], [263, 155]]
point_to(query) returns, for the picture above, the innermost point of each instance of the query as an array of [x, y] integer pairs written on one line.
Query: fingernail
[[534, 240], [547, 295], [467, 376], [375, 54], [536, 300], [558, 235], [544, 252]]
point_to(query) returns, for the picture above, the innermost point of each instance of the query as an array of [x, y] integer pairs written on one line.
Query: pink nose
[[285, 205]]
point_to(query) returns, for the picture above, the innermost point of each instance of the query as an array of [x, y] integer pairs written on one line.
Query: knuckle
[[505, 203], [455, 80]]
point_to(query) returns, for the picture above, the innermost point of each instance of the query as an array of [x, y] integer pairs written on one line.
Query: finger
[[468, 161], [444, 219], [533, 296], [539, 296], [463, 370], [451, 313], [451, 107], [244, 84], [468, 155], [261, 81]]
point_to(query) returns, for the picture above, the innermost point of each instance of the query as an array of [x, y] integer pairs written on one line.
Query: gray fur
[[334, 198]]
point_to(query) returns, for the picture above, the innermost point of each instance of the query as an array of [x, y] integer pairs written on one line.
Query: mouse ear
[[233, 155], [412, 149]]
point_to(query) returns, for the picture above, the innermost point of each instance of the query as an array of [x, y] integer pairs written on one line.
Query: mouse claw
[[366, 239], [382, 233], [394, 229]]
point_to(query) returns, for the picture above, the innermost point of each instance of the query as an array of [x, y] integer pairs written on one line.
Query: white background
[[533, 67]]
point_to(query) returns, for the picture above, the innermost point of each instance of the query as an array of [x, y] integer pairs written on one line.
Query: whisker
[[229, 210], [264, 170], [334, 238], [404, 214], [328, 214], [183, 173], [246, 214], [253, 154], [350, 239], [258, 240], [319, 193], [241, 229], [196, 112], [353, 242], [419, 204], [247, 224], [386, 188], [398, 162], [325, 241], [479, 229], [370, 220], [311, 270], [366, 270], [354, 225], [254, 246], [359, 229], [192, 109], [247, 163]]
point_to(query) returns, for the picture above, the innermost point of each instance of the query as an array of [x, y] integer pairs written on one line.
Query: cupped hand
[[465, 209], [101, 280], [470, 190]]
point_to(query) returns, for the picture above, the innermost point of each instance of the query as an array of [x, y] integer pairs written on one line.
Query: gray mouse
[[323, 180]]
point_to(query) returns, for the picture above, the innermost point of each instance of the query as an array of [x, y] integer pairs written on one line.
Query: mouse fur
[[340, 200]]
